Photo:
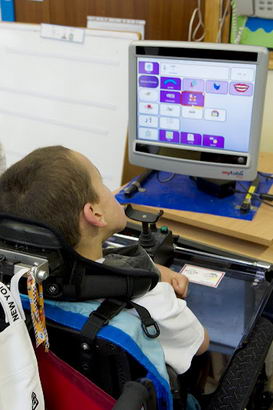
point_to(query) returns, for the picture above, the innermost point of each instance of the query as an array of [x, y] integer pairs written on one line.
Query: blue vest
[[124, 331]]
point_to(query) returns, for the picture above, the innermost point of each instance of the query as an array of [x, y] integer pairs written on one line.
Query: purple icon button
[[217, 87], [169, 136], [193, 99], [147, 67], [192, 84], [170, 97], [213, 141], [236, 88], [191, 138], [170, 83], [149, 81]]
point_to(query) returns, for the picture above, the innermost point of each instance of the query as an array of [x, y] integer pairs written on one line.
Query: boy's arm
[[205, 345], [179, 282], [182, 336]]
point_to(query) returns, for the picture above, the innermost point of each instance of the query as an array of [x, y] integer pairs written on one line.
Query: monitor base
[[215, 187]]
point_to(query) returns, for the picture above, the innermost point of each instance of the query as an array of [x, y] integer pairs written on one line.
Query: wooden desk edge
[[185, 219], [246, 236]]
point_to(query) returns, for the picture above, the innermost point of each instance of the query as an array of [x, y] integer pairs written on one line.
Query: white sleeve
[[181, 334]]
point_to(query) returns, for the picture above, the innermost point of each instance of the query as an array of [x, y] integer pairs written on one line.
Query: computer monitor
[[196, 108]]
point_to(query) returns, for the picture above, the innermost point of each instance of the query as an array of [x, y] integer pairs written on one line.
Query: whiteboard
[[59, 92]]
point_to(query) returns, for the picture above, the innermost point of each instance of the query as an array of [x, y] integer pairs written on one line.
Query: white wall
[[267, 129]]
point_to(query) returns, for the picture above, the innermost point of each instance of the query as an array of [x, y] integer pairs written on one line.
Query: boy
[[63, 189]]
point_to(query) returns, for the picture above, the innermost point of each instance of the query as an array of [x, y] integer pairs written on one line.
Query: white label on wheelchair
[[11, 312]]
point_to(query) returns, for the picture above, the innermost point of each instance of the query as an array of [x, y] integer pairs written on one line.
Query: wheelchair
[[68, 277]]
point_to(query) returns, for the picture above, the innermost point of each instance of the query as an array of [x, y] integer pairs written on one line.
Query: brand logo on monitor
[[233, 173]]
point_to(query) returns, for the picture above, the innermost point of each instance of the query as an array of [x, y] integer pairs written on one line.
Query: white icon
[[191, 112], [242, 74], [190, 137], [169, 95], [148, 121], [171, 69], [214, 114], [169, 135], [148, 134], [148, 95], [148, 108], [149, 67], [169, 123], [171, 110]]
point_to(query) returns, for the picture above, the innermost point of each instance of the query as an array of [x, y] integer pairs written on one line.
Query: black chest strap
[[110, 308], [101, 317]]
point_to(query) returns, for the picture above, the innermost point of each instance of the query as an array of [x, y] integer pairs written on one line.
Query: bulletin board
[[255, 31], [54, 91], [254, 26]]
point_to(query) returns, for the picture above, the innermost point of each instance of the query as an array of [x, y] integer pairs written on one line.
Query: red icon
[[241, 88], [149, 106]]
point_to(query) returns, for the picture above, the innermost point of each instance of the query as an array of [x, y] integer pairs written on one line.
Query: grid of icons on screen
[[194, 105]]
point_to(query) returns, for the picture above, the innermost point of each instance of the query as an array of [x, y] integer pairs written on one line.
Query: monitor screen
[[196, 109]]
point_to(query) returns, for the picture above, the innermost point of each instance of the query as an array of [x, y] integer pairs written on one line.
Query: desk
[[252, 239]]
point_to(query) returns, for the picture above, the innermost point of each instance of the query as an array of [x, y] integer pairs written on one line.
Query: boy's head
[[64, 190]]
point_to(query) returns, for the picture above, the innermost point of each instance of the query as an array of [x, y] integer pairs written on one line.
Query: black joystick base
[[158, 243]]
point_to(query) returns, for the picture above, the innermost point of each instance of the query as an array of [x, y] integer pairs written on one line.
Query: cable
[[191, 24], [263, 174], [234, 20], [259, 196], [197, 12], [242, 186], [169, 178], [222, 19], [266, 203], [236, 31]]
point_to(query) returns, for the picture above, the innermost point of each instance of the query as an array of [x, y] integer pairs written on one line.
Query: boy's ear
[[93, 215]]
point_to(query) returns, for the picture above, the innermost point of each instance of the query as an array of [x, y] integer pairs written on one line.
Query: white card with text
[[202, 276]]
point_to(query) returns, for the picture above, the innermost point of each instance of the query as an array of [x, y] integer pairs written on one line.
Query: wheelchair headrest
[[71, 276], [28, 234]]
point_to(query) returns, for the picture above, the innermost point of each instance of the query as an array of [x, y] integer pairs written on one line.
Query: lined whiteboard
[[59, 92]]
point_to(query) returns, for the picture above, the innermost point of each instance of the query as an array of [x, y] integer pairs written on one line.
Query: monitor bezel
[[206, 52]]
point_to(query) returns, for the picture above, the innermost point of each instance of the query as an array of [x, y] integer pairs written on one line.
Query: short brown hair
[[50, 186]]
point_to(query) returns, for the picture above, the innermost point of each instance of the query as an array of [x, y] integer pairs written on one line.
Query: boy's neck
[[90, 251]]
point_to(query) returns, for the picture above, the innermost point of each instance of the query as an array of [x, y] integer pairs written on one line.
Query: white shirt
[[181, 333]]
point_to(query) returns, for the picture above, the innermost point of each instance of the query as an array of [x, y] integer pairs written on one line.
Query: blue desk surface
[[181, 193]]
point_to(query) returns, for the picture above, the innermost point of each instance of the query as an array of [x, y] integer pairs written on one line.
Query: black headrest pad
[[76, 277], [25, 233]]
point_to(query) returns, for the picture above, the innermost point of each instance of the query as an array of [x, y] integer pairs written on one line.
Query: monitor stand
[[215, 187]]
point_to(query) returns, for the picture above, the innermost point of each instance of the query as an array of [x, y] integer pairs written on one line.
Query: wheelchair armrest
[[140, 394]]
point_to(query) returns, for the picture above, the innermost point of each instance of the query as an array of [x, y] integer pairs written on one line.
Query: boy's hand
[[179, 282]]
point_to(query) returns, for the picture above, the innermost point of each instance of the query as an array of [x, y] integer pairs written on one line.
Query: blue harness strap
[[124, 331]]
